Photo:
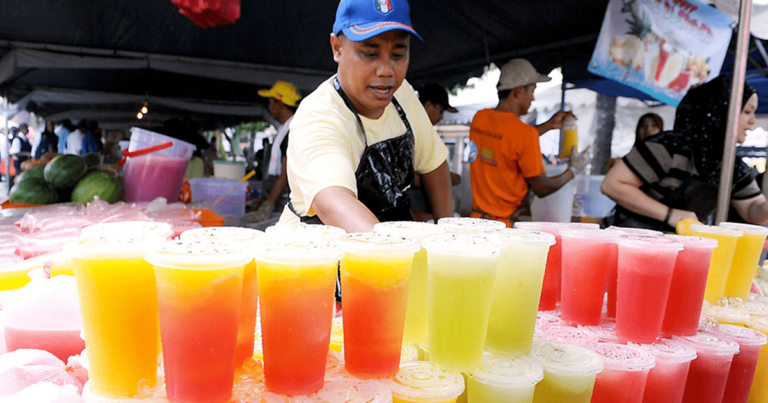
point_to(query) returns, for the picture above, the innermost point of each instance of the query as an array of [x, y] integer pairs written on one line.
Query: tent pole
[[734, 110], [6, 107], [562, 108]]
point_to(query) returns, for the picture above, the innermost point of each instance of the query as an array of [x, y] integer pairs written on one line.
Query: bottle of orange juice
[[570, 137]]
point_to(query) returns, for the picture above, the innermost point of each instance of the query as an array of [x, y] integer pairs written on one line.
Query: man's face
[[272, 107], [372, 70], [434, 111], [527, 97]]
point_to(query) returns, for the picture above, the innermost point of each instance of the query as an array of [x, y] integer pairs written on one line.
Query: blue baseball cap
[[363, 19]]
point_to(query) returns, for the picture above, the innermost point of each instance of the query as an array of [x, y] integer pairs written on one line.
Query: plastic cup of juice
[[666, 381], [199, 286], [296, 284], [119, 306], [722, 256], [746, 256], [646, 266], [416, 326], [420, 382], [624, 375], [462, 271], [245, 237], [550, 290], [759, 390], [729, 315], [588, 255], [345, 388], [517, 291], [708, 374], [570, 335], [569, 373], [375, 271], [686, 293], [469, 224], [613, 275], [744, 363], [504, 380]]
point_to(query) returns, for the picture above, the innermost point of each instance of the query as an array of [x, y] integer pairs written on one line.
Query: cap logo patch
[[383, 6]]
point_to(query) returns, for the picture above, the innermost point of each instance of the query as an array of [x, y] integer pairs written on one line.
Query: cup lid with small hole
[[420, 381], [508, 371], [567, 359]]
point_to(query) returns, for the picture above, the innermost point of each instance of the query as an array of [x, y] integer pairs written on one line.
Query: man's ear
[[336, 47]]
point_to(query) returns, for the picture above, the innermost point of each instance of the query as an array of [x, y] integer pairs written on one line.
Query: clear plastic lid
[[420, 381], [409, 229], [409, 353], [725, 314], [693, 241], [707, 343], [328, 232], [468, 224], [222, 234], [742, 335], [299, 251], [649, 243], [668, 349], [570, 335], [345, 388], [508, 372], [624, 358], [758, 323], [370, 242], [198, 255], [567, 359], [111, 246], [594, 235], [635, 231], [292, 231], [161, 229], [466, 245], [714, 230], [522, 236], [757, 298], [746, 228], [755, 308], [605, 332]]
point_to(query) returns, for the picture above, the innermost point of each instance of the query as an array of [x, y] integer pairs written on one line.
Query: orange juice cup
[[296, 283], [199, 286], [744, 265], [375, 271], [722, 256]]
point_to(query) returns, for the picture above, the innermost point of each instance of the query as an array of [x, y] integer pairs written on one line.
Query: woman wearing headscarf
[[676, 175]]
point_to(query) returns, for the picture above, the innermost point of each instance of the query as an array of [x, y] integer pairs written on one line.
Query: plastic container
[[224, 169], [666, 381], [210, 189], [570, 137], [569, 373], [159, 173], [722, 256], [625, 374], [744, 363], [420, 382], [614, 274], [746, 257], [558, 206], [588, 200], [708, 374], [504, 380]]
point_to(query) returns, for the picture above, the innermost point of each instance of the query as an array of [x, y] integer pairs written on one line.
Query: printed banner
[[661, 47]]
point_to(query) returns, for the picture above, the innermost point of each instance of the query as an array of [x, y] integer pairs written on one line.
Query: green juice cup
[[569, 373], [504, 380]]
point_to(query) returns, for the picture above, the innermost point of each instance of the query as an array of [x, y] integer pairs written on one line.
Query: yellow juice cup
[[504, 380], [759, 391], [469, 225], [516, 294], [118, 301], [570, 139], [744, 265], [722, 256], [420, 382], [416, 327], [462, 272], [569, 373]]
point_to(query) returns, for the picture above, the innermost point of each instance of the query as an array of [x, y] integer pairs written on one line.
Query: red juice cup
[[199, 286], [588, 255], [686, 294], [708, 374], [624, 375], [614, 273], [646, 266], [570, 335], [744, 363], [666, 381], [296, 285]]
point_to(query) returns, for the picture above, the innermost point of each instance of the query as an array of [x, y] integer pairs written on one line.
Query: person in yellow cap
[[283, 100]]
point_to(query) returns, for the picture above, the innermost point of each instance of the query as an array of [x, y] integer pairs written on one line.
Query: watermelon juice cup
[[759, 390], [246, 238], [588, 256], [296, 284], [666, 381], [686, 293], [613, 275], [569, 373], [462, 271], [420, 382], [504, 380], [746, 256], [722, 256], [550, 291], [199, 286], [516, 294], [624, 375], [744, 363], [416, 327], [375, 272], [646, 266], [708, 374]]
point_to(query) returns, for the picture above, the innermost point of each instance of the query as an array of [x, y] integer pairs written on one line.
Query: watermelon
[[64, 171], [33, 191], [103, 184], [38, 171]]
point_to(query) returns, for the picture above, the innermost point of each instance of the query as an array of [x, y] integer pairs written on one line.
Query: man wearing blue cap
[[357, 140]]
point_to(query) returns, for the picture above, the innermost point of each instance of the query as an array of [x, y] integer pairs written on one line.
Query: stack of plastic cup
[[708, 374], [420, 382], [588, 257], [504, 380], [759, 391], [744, 363], [613, 275], [469, 225], [569, 373], [624, 375], [730, 315], [570, 335], [666, 381], [722, 256], [686, 294], [345, 388], [746, 257]]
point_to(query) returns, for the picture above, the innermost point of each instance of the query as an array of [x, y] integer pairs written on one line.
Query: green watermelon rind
[[103, 184], [64, 171], [33, 191]]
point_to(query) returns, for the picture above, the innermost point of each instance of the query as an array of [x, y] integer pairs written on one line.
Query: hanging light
[[144, 108], [139, 115]]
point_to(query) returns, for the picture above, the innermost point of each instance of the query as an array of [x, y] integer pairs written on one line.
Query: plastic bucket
[[558, 206], [157, 174]]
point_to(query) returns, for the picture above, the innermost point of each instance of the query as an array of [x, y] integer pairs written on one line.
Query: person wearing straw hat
[[359, 137], [283, 101]]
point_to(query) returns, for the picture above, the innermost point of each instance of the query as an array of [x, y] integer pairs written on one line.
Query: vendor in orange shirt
[[508, 154]]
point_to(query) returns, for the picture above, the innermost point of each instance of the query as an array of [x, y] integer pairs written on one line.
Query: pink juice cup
[[624, 374], [686, 294], [157, 174], [646, 266], [708, 374], [666, 381], [570, 335], [588, 255], [744, 363], [613, 275]]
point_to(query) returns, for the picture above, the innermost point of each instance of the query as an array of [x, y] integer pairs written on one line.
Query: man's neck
[[508, 106]]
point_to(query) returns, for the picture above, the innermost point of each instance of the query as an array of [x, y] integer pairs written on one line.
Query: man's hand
[[578, 160], [555, 122], [263, 212]]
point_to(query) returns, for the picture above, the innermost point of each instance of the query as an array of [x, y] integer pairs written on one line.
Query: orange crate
[[209, 218]]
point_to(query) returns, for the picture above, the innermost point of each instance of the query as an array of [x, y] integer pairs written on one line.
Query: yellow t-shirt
[[325, 144]]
